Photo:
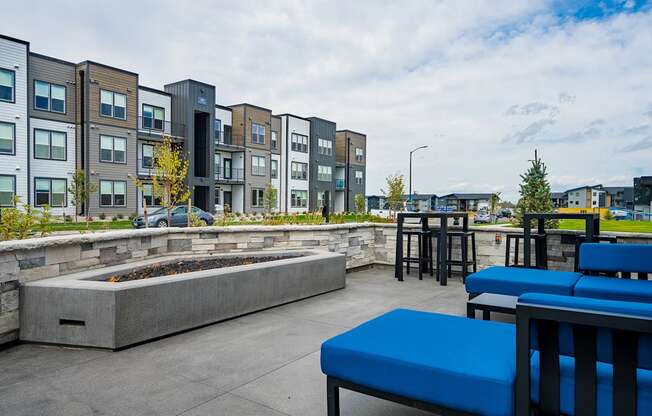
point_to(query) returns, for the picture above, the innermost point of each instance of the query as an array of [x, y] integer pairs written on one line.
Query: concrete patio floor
[[266, 363]]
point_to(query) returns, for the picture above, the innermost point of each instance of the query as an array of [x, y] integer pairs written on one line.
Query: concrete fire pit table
[[84, 309]]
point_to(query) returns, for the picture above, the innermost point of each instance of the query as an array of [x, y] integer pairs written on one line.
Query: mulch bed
[[186, 266]]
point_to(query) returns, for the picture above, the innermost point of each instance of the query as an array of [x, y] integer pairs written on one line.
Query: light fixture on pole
[[412, 151]]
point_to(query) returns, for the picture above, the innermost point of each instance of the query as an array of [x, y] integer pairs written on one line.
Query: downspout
[[347, 170], [287, 156], [82, 132]]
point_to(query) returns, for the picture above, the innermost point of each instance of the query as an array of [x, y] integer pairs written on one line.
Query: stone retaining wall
[[363, 244]]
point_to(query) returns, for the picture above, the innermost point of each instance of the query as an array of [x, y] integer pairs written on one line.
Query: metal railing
[[233, 174], [157, 128], [227, 139]]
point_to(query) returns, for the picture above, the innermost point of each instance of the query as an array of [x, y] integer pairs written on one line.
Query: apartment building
[[350, 168], [322, 163], [295, 161], [587, 197], [58, 116]]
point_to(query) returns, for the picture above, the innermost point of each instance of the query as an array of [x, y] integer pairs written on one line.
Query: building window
[[49, 97], [299, 143], [257, 198], [7, 190], [49, 144], [218, 197], [258, 165], [359, 154], [153, 117], [148, 196], [113, 149], [7, 138], [7, 85], [324, 173], [257, 133], [299, 199], [325, 147], [50, 192], [320, 199], [299, 171], [113, 193], [274, 169], [113, 104], [148, 156], [274, 140], [359, 177]]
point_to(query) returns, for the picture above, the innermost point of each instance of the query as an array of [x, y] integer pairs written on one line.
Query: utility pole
[[410, 177]]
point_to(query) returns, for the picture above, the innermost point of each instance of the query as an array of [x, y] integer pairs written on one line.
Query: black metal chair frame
[[464, 261], [424, 251], [540, 248]]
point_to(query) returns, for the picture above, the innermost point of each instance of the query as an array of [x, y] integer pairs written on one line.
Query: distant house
[[620, 196], [422, 202], [587, 197], [643, 194], [559, 199], [465, 201], [376, 202]]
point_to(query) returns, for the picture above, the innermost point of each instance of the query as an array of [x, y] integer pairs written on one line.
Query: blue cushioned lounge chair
[[457, 366]]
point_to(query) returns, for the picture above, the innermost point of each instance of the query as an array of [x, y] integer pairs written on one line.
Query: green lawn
[[610, 225], [93, 225]]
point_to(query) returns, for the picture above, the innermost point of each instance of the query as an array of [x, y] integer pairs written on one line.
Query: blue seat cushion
[[459, 363], [616, 257], [604, 387], [631, 290], [515, 281]]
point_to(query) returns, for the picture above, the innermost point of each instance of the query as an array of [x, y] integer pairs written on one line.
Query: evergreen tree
[[535, 193]]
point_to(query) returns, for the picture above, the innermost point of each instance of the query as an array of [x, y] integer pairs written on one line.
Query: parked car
[[179, 218], [505, 213], [482, 217]]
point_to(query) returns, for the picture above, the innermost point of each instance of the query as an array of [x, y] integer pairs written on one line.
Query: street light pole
[[410, 178]]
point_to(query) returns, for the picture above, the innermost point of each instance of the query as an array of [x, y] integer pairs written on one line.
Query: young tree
[[359, 203], [81, 190], [493, 205], [394, 193], [535, 192], [168, 177], [269, 198]]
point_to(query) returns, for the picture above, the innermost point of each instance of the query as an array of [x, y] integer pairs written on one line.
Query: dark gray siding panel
[[323, 129], [55, 72]]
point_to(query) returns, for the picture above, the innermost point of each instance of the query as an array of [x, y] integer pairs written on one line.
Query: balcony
[[340, 184], [229, 175], [155, 129], [228, 141]]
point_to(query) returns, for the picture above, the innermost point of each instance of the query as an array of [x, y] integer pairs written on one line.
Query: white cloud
[[437, 73]]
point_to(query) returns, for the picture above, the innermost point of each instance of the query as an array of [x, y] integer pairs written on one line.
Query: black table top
[[495, 300], [457, 214]]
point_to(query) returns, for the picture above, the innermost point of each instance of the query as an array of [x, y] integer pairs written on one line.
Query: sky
[[481, 83]]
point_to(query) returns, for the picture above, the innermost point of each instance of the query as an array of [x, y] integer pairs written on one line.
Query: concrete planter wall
[[79, 309], [362, 244]]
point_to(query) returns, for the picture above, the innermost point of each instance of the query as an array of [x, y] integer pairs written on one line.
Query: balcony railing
[[340, 184], [227, 139], [229, 175], [158, 128]]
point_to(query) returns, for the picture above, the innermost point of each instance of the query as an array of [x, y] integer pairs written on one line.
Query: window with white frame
[[257, 198], [325, 147], [49, 191], [7, 190], [113, 104], [359, 177], [299, 171], [7, 138], [7, 85], [49, 97], [113, 193], [324, 173], [148, 156], [274, 140], [321, 199], [49, 144], [299, 198], [274, 169], [113, 149], [359, 154], [257, 133], [299, 143], [153, 117], [258, 165], [148, 196]]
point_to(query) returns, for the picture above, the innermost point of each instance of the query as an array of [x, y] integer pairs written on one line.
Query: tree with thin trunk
[[269, 198], [169, 175], [493, 205], [395, 193], [80, 190]]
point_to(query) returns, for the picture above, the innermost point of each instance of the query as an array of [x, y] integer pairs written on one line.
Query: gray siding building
[[322, 163]]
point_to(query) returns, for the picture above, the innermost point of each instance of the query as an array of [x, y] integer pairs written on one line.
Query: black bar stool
[[464, 262], [540, 249], [424, 251]]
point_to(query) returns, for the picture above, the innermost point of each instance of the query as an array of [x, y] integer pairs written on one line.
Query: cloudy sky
[[481, 83]]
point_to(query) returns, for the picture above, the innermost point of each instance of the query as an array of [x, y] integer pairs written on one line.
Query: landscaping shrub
[[102, 216]]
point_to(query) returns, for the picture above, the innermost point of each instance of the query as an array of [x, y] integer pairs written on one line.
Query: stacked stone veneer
[[364, 244]]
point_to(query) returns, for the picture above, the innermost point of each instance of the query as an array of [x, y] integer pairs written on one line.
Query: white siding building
[[13, 121], [295, 159]]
